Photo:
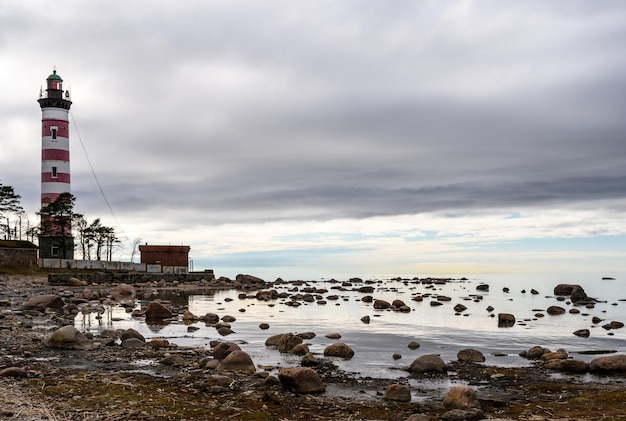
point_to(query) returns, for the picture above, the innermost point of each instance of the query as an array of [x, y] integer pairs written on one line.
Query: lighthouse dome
[[54, 76]]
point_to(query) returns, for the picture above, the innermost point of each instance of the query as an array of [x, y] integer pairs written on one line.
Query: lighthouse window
[[54, 132], [54, 172]]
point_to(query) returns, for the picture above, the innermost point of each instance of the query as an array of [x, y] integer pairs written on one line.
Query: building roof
[[54, 76], [17, 244]]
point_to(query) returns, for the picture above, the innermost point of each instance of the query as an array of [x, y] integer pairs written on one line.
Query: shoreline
[[68, 384]]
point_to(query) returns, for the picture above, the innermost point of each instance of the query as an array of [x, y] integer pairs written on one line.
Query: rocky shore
[[49, 370]]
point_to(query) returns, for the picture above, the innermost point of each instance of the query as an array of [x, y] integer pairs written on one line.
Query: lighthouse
[[55, 241]]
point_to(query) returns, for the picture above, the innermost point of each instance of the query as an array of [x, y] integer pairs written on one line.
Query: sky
[[334, 138]]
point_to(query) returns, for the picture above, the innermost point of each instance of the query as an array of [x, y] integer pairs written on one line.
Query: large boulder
[[68, 337], [339, 349], [301, 380], [608, 364], [42, 302], [237, 361], [461, 397], [430, 363], [156, 310]]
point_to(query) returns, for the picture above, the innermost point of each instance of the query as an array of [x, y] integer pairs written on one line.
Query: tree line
[[94, 240]]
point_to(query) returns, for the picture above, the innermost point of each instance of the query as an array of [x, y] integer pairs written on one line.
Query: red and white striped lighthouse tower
[[55, 158]]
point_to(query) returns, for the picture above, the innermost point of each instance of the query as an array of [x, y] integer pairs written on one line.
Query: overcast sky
[[320, 137]]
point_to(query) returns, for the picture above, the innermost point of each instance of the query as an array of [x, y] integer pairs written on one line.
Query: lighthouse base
[[56, 246]]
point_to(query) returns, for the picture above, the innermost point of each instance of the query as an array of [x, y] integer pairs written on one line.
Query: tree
[[56, 220], [135, 245], [9, 201], [10, 204]]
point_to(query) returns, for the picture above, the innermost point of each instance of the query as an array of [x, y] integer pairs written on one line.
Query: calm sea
[[439, 330]]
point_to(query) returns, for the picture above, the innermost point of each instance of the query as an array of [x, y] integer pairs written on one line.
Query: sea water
[[438, 330]]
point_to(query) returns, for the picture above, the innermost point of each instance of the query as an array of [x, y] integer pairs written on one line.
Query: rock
[[555, 310], [418, 417], [381, 304], [228, 319], [159, 343], [188, 316], [274, 340], [42, 302], [75, 282], [365, 319], [339, 349], [210, 318], [306, 335], [535, 352], [224, 330], [568, 366], [302, 380], [583, 333], [609, 364], [133, 343], [396, 356], [13, 372], [559, 354], [221, 350], [397, 392], [300, 349], [123, 292], [288, 341], [237, 361], [482, 287], [249, 280], [264, 326], [506, 320], [564, 289], [219, 380], [461, 397], [413, 345], [430, 363], [459, 308], [578, 294], [333, 336], [464, 415], [68, 337], [470, 355], [156, 310], [132, 333], [309, 360]]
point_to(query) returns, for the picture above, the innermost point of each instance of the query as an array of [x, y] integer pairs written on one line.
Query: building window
[[54, 132], [55, 250], [54, 172]]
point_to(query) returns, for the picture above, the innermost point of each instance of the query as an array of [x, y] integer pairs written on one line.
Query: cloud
[[212, 114]]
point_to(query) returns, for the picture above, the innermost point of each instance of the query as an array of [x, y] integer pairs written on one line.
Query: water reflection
[[440, 330]]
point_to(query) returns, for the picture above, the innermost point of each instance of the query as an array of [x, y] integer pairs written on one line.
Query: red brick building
[[177, 256]]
